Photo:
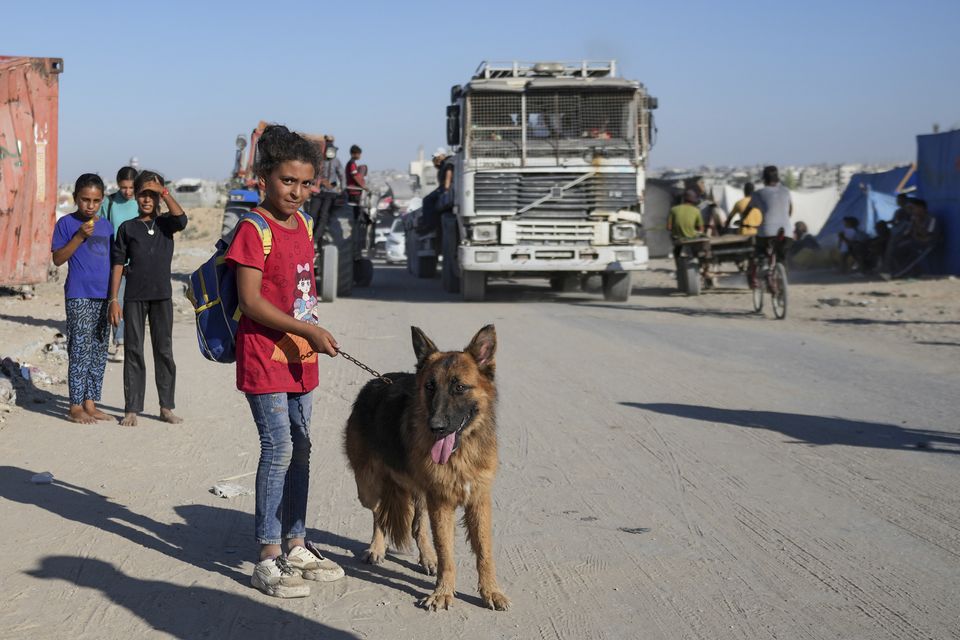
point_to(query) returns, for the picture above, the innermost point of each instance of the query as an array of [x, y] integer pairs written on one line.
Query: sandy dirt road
[[671, 468]]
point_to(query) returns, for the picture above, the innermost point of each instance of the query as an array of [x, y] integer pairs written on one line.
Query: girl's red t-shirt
[[269, 361]]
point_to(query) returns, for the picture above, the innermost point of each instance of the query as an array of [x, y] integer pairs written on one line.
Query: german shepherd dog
[[423, 446]]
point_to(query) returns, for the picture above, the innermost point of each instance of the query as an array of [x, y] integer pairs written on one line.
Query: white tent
[[811, 206]]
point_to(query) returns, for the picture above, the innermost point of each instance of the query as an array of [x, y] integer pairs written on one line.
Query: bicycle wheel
[[778, 293], [756, 288]]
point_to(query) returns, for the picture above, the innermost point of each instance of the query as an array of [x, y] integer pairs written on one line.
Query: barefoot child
[[145, 245], [117, 208], [83, 241], [277, 360]]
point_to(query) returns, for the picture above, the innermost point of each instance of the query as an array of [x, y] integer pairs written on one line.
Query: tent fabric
[[810, 206], [869, 197], [938, 182]]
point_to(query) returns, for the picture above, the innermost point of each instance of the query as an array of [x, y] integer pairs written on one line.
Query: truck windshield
[[556, 123]]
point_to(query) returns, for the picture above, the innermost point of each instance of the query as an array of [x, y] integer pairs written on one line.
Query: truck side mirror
[[453, 125]]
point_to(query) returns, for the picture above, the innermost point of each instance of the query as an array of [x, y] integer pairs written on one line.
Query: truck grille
[[508, 191], [536, 232]]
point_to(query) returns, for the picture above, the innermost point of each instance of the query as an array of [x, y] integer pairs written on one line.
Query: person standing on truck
[[356, 185], [117, 208], [83, 240], [776, 207], [444, 166], [144, 246], [356, 181], [330, 182]]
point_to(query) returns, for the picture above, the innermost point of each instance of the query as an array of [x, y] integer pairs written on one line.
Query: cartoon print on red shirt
[[291, 348], [305, 307]]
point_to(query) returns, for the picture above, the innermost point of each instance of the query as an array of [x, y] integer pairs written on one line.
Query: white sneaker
[[278, 579], [117, 355], [312, 565]]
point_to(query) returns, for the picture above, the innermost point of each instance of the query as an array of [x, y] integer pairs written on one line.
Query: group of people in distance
[[895, 249], [119, 250], [119, 256]]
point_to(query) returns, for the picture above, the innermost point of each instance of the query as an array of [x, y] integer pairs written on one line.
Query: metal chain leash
[[347, 356], [373, 372]]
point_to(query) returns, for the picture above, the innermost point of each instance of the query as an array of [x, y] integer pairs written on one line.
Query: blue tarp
[[869, 197], [938, 166]]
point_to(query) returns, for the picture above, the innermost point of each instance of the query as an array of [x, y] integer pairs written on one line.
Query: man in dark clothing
[[330, 184]]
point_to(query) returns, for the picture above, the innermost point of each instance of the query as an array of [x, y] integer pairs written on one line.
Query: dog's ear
[[422, 345], [482, 348]]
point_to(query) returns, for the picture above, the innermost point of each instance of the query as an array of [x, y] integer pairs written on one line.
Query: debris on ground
[[842, 302], [42, 478], [230, 490]]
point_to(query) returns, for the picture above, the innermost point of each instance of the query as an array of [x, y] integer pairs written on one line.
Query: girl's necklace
[[150, 228]]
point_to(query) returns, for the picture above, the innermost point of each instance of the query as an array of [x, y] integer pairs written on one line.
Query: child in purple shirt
[[83, 240]]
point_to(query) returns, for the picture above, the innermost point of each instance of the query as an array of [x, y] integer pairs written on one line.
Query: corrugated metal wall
[[29, 92]]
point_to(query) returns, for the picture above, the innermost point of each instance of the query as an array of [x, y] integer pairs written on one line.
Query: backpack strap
[[263, 229], [307, 223]]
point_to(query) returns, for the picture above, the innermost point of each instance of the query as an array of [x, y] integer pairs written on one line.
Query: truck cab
[[549, 175]]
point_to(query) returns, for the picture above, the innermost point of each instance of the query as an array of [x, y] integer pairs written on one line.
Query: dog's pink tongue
[[443, 448]]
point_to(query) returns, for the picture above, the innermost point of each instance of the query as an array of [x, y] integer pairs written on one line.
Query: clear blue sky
[[750, 82]]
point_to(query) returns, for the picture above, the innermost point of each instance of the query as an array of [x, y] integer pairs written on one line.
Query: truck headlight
[[483, 233], [623, 232]]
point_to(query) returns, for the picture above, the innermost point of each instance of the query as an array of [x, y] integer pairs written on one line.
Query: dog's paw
[[428, 564], [437, 600], [495, 599], [373, 556]]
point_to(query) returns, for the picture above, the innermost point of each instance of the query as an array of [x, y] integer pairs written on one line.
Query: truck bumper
[[545, 258]]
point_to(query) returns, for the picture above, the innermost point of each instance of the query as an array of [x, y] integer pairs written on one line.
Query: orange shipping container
[[29, 93]]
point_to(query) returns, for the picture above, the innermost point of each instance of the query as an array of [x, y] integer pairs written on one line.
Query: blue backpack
[[213, 293]]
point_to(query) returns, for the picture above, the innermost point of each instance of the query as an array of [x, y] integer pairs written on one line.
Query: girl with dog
[[277, 349], [145, 245], [82, 239]]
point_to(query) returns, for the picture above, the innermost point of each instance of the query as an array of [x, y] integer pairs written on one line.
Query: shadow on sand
[[210, 538], [183, 611], [815, 430]]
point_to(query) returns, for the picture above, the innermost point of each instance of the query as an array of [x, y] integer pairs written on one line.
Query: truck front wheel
[[617, 286], [473, 285]]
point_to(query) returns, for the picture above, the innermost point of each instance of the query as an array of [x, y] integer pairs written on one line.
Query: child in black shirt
[[145, 246]]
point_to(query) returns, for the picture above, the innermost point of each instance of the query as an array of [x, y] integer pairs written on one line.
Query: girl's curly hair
[[278, 144]]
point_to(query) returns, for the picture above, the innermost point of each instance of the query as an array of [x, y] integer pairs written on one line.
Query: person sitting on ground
[[852, 242], [750, 219], [923, 234], [803, 239], [899, 227], [877, 246]]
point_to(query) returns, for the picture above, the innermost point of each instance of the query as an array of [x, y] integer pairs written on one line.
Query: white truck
[[549, 163]]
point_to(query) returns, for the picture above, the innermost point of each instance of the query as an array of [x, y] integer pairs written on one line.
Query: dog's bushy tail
[[395, 514]]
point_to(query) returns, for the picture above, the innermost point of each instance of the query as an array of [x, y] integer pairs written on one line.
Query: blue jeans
[[283, 475]]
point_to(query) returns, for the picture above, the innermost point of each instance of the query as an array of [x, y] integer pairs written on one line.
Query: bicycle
[[770, 275]]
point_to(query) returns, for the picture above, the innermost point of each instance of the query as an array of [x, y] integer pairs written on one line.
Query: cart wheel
[[778, 295], [692, 278]]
